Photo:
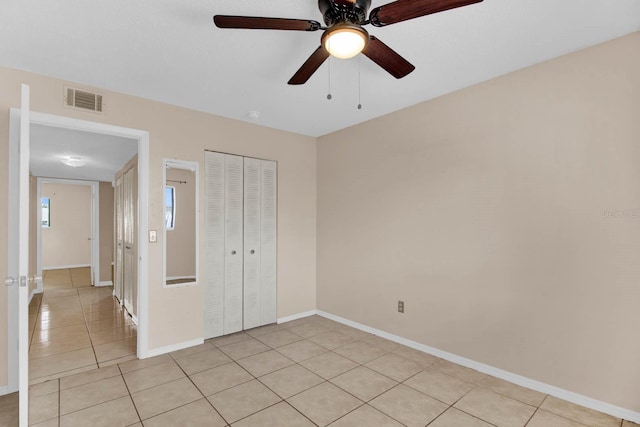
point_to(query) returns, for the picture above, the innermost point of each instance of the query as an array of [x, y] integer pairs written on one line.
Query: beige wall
[[181, 241], [106, 230], [66, 242], [176, 314], [506, 216]]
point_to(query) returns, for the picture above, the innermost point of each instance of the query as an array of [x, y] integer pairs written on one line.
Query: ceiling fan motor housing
[[351, 11]]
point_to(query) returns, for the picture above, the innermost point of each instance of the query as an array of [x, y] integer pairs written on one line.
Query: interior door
[[233, 242], [252, 237], [119, 228], [214, 245], [23, 259], [268, 242], [18, 262], [128, 240]]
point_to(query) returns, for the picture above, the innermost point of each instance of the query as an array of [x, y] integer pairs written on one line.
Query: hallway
[[75, 327]]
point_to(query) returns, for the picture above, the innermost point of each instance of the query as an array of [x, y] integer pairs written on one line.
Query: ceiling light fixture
[[74, 161], [345, 41]]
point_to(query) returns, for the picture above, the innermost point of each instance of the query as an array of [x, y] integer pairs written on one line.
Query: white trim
[[63, 267], [174, 347], [560, 393], [143, 202], [105, 283], [6, 390], [134, 319], [32, 294], [296, 316]]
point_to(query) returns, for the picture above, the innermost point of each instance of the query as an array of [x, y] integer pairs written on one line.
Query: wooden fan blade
[[403, 10], [258, 23], [310, 66], [387, 58]]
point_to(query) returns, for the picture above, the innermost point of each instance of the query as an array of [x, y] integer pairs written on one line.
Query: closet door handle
[[233, 252], [252, 252]]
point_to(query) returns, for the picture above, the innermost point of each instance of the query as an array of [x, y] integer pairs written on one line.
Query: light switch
[[153, 236]]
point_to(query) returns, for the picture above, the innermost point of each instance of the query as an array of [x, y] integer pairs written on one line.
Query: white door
[[119, 258], [18, 262], [260, 208], [252, 237], [214, 245], [129, 241], [233, 225], [268, 242]]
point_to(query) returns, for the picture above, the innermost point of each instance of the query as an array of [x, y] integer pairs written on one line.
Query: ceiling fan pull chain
[[329, 91], [359, 83]]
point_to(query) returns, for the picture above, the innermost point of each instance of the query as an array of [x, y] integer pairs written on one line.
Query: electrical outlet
[[400, 306], [153, 236]]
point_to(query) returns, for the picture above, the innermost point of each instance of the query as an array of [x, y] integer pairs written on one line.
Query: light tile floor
[[309, 372], [75, 327]]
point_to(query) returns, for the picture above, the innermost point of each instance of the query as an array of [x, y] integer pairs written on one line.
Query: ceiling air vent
[[83, 100]]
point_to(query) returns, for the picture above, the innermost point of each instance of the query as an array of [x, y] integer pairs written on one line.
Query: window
[[169, 207], [46, 212]]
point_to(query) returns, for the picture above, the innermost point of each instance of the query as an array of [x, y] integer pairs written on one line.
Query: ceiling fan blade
[[387, 58], [310, 66], [259, 23], [403, 10]]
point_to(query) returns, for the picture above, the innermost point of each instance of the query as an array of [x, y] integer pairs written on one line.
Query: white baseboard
[[560, 393], [105, 283], [6, 390], [297, 316], [62, 267], [174, 347]]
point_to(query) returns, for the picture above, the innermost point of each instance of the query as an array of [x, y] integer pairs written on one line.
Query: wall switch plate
[[153, 236], [400, 306]]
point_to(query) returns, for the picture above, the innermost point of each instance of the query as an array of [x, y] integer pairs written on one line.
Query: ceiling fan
[[343, 35]]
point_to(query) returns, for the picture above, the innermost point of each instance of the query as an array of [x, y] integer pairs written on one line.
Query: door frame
[[95, 227], [142, 137]]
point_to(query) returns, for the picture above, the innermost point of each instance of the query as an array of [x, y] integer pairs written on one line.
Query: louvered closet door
[[233, 243], [214, 245], [268, 241], [259, 242], [252, 237]]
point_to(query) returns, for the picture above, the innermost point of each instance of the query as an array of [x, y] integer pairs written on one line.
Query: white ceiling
[[170, 51], [105, 154]]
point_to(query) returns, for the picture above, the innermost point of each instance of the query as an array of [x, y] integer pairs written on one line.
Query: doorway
[[68, 231], [141, 139]]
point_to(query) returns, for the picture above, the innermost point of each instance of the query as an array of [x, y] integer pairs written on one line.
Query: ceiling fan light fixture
[[345, 41], [74, 161]]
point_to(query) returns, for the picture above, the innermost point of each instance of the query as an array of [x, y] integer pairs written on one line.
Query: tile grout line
[[130, 395]]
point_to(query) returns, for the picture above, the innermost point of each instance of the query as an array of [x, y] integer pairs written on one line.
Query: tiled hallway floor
[[76, 327], [309, 372]]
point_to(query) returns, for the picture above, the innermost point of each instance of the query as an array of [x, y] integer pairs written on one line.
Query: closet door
[[260, 206], [233, 232], [252, 238], [268, 241], [129, 250], [119, 237], [214, 245]]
